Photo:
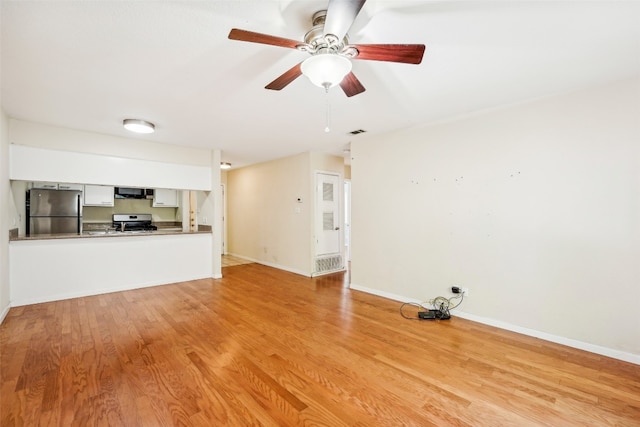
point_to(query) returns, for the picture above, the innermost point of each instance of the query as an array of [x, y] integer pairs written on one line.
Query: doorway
[[328, 221]]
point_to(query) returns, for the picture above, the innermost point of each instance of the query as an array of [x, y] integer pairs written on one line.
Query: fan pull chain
[[327, 129]]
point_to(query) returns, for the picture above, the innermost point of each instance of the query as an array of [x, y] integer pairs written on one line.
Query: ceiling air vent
[[355, 132]]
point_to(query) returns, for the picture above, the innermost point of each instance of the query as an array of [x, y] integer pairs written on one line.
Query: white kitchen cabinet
[[164, 198], [63, 186], [98, 195], [45, 185]]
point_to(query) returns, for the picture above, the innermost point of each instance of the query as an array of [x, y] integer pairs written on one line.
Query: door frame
[[317, 217], [347, 221], [223, 201]]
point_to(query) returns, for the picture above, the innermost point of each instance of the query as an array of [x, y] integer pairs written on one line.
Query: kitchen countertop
[[92, 234]]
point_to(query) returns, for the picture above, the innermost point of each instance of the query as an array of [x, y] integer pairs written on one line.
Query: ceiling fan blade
[[250, 36], [286, 78], [405, 53], [340, 16], [351, 85]]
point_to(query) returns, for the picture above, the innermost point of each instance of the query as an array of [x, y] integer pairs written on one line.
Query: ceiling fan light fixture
[[326, 69], [138, 126]]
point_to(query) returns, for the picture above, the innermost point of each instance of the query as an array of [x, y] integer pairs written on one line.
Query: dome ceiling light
[[325, 69], [138, 126]]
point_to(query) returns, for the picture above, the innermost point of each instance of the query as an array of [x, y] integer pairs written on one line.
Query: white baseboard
[[4, 313], [241, 257], [569, 342], [325, 273], [382, 294], [268, 264]]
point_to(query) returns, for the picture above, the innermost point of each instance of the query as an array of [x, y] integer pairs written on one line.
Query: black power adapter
[[426, 314], [433, 314], [456, 290]]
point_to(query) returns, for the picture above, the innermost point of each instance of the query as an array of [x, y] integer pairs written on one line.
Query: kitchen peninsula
[[69, 266]]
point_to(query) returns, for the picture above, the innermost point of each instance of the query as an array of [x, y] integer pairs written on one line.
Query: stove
[[133, 222]]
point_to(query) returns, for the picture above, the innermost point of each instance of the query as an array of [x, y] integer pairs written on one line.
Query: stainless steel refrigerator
[[54, 211]]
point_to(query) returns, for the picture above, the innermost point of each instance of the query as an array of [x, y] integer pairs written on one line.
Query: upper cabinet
[[164, 198], [43, 185], [98, 195], [62, 186]]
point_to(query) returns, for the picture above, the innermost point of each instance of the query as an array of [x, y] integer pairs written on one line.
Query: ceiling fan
[[327, 43]]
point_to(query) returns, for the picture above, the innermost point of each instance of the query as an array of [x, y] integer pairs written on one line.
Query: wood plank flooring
[[230, 261], [266, 347]]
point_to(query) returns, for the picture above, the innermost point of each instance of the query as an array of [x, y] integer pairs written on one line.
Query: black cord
[[441, 304], [413, 304], [460, 302]]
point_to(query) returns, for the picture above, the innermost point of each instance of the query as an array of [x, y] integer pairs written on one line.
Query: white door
[[328, 215]]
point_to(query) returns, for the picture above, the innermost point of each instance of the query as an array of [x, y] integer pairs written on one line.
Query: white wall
[[263, 224], [534, 208], [6, 213]]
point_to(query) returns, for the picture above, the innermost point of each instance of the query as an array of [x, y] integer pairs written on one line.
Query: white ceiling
[[89, 64]]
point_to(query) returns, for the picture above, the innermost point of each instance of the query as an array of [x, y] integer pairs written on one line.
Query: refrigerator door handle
[[79, 216]]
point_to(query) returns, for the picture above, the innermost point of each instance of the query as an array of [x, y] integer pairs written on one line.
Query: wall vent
[[328, 263], [357, 131]]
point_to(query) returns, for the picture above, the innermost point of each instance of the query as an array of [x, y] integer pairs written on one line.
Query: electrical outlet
[[465, 292]]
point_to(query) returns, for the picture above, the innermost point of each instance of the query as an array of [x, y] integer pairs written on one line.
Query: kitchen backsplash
[[103, 214]]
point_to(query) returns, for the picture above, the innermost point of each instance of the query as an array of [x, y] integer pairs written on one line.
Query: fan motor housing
[[317, 41]]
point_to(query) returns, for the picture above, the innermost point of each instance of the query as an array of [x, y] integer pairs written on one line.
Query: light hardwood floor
[[230, 261], [267, 347]]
